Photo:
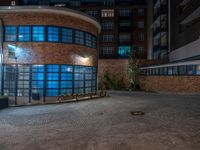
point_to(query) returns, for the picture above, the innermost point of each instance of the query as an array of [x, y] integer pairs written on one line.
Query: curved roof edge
[[50, 9]]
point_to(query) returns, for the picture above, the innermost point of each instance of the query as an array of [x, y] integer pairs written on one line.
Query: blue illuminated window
[[66, 68], [38, 79], [88, 40], [67, 35], [66, 91], [66, 76], [79, 37], [124, 50], [10, 33], [66, 84], [52, 80], [38, 34], [24, 33], [53, 34]]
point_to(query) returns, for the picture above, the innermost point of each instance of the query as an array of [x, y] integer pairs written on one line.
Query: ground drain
[[137, 113]]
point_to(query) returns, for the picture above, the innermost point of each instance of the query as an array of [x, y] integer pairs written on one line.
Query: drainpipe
[[1, 54], [169, 27]]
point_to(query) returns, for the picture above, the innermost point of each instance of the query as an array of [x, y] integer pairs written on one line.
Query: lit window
[[10, 33], [38, 79], [66, 79], [107, 13], [67, 35], [124, 37], [108, 38], [107, 50], [88, 39], [107, 25], [52, 80], [79, 37], [53, 34], [125, 12], [79, 79], [140, 37], [140, 24], [198, 69], [23, 33], [141, 12], [124, 50], [38, 33]]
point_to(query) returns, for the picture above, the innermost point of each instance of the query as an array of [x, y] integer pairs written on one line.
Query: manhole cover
[[136, 113]]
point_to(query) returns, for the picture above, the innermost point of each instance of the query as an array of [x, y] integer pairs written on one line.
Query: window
[[140, 24], [124, 50], [53, 34], [108, 2], [9, 80], [94, 42], [79, 37], [125, 13], [140, 50], [175, 70], [13, 3], [75, 3], [79, 79], [38, 33], [140, 37], [88, 39], [38, 79], [24, 33], [93, 13], [191, 69], [108, 38], [67, 35], [108, 25], [23, 80], [10, 34], [66, 79], [182, 70], [125, 24], [124, 37], [107, 13], [141, 12], [52, 80], [107, 50]]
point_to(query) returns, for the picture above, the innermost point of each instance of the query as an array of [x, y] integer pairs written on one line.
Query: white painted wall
[[190, 50]]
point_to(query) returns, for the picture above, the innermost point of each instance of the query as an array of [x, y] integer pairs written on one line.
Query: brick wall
[[182, 84], [47, 19], [49, 52], [114, 67]]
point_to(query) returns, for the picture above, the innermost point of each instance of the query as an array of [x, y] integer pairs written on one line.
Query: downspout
[[1, 54]]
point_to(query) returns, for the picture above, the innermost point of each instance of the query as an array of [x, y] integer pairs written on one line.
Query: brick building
[[123, 24], [47, 51]]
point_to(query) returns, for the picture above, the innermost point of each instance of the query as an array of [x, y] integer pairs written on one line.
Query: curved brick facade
[[47, 52]]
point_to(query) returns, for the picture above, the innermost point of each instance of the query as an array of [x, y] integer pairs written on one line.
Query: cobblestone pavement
[[171, 122]]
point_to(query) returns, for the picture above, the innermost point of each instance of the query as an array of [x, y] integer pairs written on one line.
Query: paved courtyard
[[171, 122]]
